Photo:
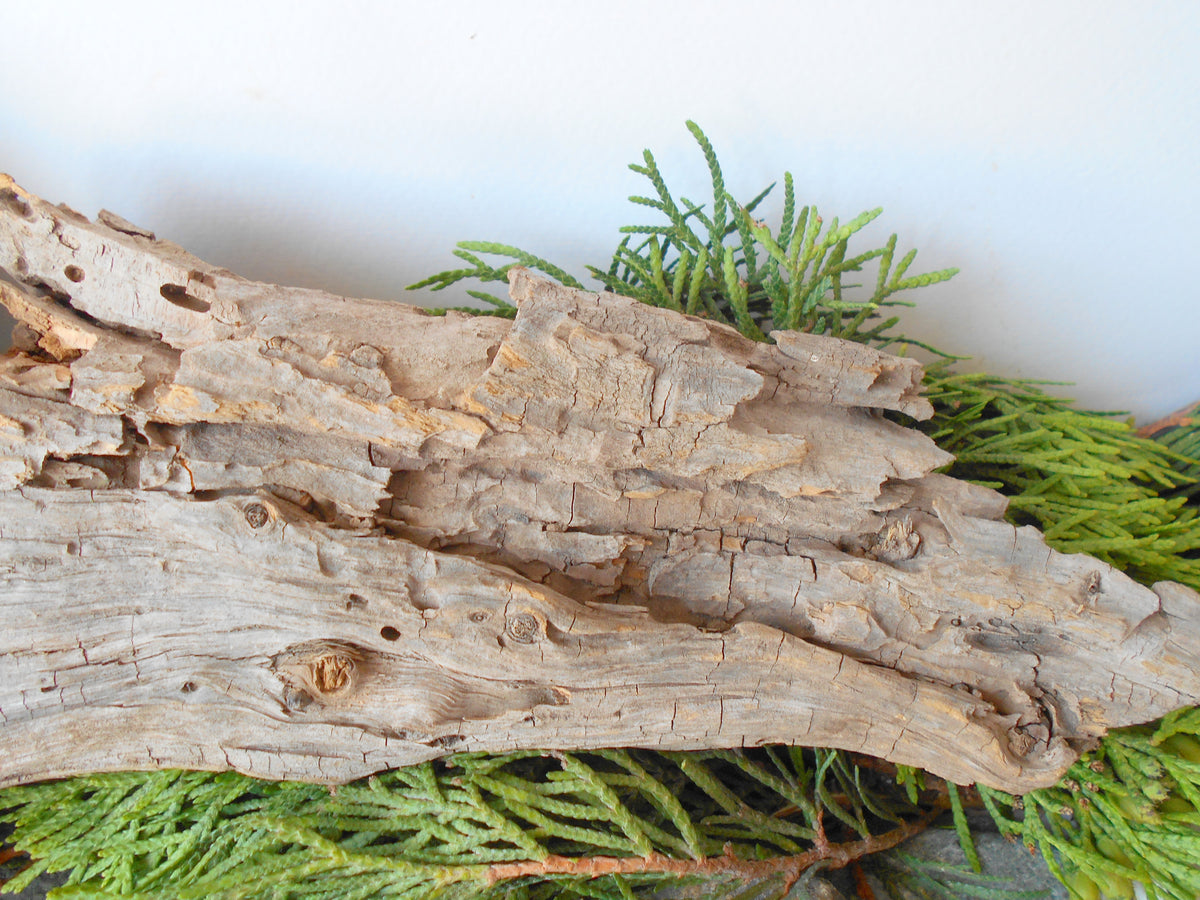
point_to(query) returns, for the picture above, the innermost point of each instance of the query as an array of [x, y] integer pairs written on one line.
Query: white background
[[1049, 149]]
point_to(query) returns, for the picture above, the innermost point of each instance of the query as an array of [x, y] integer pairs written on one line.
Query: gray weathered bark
[[303, 536]]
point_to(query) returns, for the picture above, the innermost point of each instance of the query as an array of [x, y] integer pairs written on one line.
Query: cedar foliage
[[732, 824]]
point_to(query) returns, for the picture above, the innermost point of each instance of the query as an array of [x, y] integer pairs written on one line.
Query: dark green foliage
[[1127, 811]]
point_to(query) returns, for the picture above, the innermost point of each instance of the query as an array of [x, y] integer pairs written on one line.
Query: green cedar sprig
[[438, 828], [730, 266], [1128, 812], [1088, 481]]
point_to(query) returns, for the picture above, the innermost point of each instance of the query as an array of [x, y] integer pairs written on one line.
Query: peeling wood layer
[[304, 536]]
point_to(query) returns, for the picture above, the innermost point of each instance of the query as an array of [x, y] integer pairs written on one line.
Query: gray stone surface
[[1000, 858], [815, 889], [37, 890]]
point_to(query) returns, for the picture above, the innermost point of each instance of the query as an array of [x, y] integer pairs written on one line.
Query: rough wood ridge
[[304, 536]]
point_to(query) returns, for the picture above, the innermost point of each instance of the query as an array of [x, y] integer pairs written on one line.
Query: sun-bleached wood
[[305, 536]]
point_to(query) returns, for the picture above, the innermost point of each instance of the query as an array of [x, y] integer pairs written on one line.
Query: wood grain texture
[[305, 536]]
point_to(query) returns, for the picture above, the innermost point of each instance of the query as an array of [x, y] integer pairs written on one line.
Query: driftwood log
[[304, 536]]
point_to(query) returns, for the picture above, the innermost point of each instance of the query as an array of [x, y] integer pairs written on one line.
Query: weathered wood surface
[[304, 536]]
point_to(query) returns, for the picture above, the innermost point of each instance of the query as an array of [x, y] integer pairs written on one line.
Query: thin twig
[[7, 855], [1181, 418], [862, 887], [836, 856]]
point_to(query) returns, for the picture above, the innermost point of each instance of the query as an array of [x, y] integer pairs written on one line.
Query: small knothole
[[332, 672], [388, 633], [203, 277], [257, 515], [188, 687], [73, 273], [480, 616], [13, 201], [177, 294], [356, 601]]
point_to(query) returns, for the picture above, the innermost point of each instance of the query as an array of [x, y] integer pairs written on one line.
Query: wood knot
[[899, 542], [523, 628], [321, 670], [332, 673], [256, 515], [896, 542], [367, 356], [1093, 587]]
